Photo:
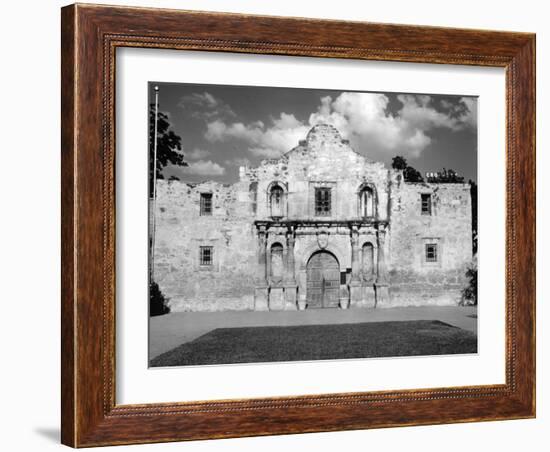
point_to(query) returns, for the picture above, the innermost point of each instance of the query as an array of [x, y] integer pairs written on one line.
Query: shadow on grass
[[316, 342]]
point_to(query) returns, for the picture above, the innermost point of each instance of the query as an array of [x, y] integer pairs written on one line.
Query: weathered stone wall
[[322, 159], [413, 281], [181, 230]]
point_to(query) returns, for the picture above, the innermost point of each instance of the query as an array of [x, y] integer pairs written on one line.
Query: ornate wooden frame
[[90, 35]]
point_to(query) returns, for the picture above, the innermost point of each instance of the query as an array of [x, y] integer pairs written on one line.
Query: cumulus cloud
[[197, 154], [364, 118], [466, 111], [205, 106], [204, 168], [218, 130], [361, 115], [270, 141]]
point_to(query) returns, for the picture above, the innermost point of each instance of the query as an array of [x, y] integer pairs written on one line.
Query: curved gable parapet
[[326, 137], [325, 133], [322, 155]]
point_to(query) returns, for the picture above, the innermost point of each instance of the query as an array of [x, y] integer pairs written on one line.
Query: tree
[[473, 196], [410, 174], [469, 293], [399, 162], [158, 304], [168, 145]]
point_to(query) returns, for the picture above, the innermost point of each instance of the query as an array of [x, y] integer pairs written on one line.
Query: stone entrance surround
[[300, 241]]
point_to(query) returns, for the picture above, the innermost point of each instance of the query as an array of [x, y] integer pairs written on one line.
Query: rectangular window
[[206, 255], [426, 200], [322, 201], [431, 252], [206, 203]]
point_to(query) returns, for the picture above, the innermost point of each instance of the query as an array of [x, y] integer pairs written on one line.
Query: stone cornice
[[357, 223]]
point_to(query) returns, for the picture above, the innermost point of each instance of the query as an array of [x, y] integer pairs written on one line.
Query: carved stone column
[[355, 263], [291, 288], [289, 261], [262, 256], [355, 291], [261, 300], [368, 275], [268, 270], [381, 285]]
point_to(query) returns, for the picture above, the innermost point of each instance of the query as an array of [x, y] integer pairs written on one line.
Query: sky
[[223, 127]]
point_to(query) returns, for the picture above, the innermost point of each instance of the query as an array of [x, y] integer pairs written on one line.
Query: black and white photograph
[[248, 226], [293, 224]]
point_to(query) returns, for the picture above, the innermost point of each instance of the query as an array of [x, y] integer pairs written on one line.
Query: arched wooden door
[[323, 280]]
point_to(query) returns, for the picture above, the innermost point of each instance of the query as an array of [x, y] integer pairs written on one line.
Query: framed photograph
[[281, 225]]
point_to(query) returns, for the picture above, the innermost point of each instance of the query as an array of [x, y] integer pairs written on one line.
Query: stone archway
[[323, 280]]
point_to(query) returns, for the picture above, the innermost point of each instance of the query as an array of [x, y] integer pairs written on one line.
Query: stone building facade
[[320, 227]]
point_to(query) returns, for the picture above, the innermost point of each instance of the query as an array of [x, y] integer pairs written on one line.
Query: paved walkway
[[169, 331]]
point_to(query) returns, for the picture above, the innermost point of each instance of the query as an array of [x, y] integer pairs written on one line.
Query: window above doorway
[[323, 204]]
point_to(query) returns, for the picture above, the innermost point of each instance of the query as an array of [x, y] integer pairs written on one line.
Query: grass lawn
[[313, 342]]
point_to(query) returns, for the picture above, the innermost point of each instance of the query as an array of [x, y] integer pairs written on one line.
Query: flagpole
[[154, 209]]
